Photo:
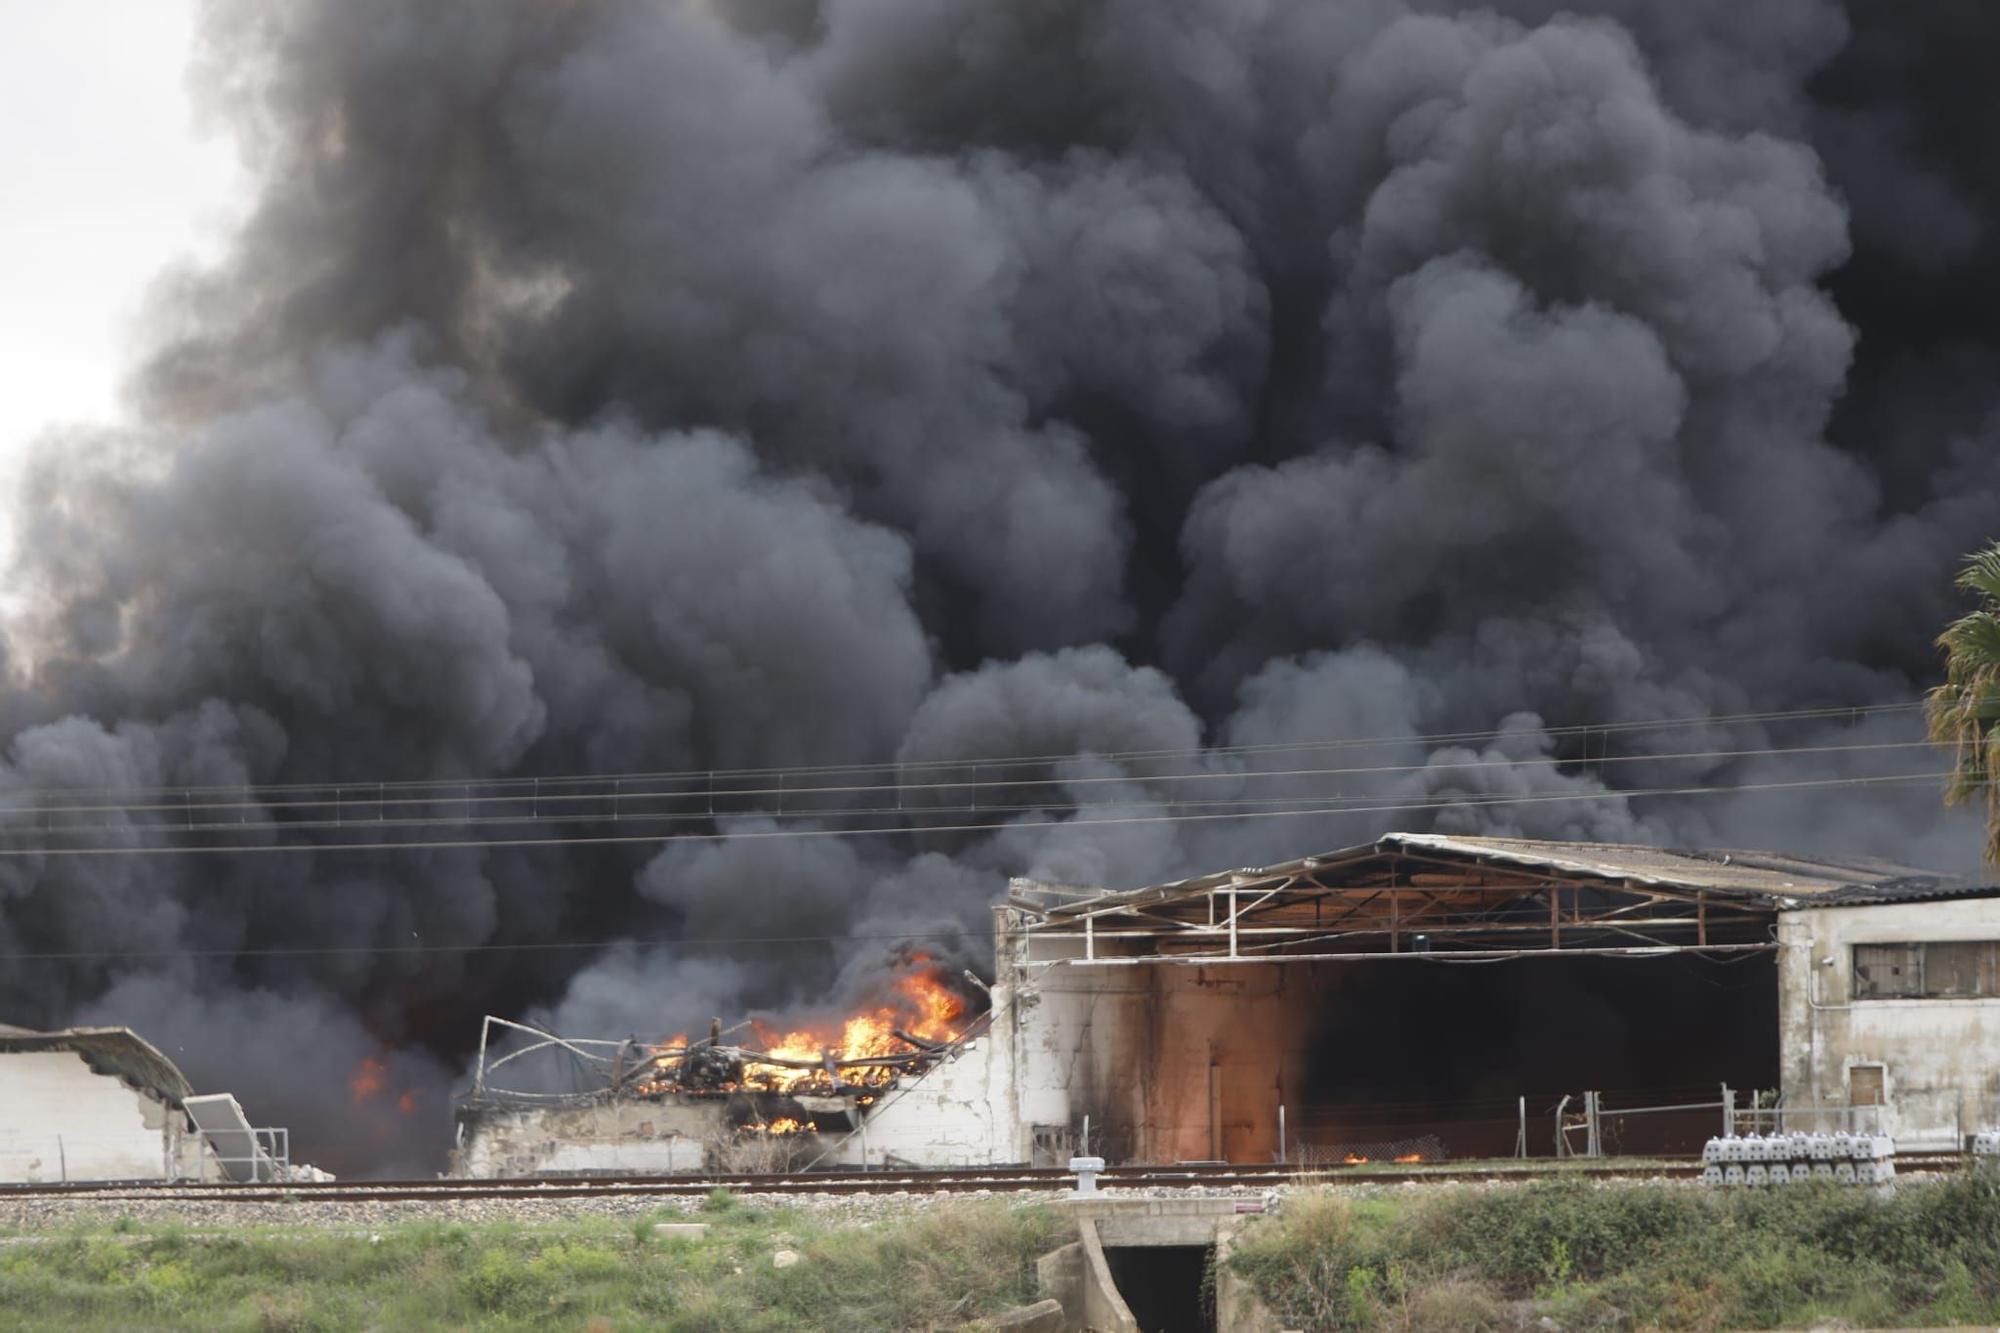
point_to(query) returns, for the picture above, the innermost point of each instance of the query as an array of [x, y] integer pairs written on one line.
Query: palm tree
[[1964, 712]]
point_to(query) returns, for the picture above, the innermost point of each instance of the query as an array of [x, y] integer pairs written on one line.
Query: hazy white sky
[[103, 181]]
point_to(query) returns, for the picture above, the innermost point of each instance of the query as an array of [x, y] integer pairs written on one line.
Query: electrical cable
[[1324, 807], [356, 797], [1853, 712]]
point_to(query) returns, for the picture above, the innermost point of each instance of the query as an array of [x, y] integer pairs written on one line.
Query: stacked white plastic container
[[1783, 1159]]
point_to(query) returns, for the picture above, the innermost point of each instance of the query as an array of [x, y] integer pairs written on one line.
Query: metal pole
[[1214, 1111], [479, 1070], [1283, 1155], [1086, 1138], [1595, 1137], [1728, 1112], [1521, 1138], [1562, 1140]]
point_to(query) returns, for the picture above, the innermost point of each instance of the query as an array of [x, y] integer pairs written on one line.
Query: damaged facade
[[876, 1093], [1421, 984], [98, 1104], [1895, 1003]]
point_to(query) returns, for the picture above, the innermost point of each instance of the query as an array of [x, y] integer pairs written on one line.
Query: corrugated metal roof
[[1756, 874], [1781, 881], [119, 1052]]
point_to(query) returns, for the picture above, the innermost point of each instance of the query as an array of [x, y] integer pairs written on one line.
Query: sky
[[107, 180]]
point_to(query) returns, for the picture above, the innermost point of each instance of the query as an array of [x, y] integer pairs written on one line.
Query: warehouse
[[1416, 989], [103, 1103], [1421, 995]]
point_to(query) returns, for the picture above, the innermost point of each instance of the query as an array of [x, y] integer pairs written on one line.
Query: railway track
[[967, 1180]]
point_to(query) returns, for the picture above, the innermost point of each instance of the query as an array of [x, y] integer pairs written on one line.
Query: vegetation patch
[[944, 1268], [1632, 1257]]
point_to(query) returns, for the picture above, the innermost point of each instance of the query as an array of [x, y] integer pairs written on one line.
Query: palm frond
[[1963, 714], [1982, 573]]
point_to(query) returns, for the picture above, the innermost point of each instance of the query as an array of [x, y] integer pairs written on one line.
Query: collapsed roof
[[118, 1052]]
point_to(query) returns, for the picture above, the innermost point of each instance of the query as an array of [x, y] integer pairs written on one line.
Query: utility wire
[[620, 797], [618, 815], [1323, 807], [997, 763], [536, 946]]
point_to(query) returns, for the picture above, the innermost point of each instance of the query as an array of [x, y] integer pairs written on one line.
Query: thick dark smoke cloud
[[623, 386]]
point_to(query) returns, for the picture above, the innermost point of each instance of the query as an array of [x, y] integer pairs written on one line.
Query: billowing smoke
[[659, 386]]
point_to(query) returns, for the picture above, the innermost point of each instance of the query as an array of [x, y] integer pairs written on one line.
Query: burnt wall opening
[[1402, 1050]]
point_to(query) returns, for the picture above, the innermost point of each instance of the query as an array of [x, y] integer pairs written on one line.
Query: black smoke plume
[[626, 386]]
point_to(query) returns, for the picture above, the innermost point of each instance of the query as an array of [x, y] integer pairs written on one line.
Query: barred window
[[1958, 970]]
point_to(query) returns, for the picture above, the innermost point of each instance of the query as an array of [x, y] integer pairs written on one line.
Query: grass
[[946, 1267], [1629, 1257]]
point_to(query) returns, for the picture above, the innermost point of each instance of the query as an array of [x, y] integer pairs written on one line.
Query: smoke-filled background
[[633, 386]]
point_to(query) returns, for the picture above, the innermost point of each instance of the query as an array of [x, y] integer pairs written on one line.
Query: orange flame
[[368, 1080], [1411, 1157], [921, 1005], [783, 1125], [1353, 1159], [407, 1103]]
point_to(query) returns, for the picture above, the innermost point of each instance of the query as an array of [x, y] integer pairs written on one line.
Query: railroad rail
[[963, 1180]]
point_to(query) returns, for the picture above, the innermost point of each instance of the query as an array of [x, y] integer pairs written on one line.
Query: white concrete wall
[[957, 1114], [652, 1138], [59, 1120], [1941, 1057]]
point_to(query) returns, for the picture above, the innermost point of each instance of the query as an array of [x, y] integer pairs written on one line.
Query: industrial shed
[[91, 1104], [1423, 994], [1418, 987], [104, 1104]]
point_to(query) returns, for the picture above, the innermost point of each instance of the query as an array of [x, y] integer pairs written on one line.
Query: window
[[1864, 1085], [1960, 970]]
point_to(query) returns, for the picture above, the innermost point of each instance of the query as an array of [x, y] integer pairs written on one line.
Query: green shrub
[[1590, 1257], [501, 1282]]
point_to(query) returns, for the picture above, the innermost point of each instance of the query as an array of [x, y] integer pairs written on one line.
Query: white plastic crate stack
[[1783, 1159]]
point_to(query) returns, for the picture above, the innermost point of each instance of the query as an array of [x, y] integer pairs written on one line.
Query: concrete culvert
[[1166, 1287]]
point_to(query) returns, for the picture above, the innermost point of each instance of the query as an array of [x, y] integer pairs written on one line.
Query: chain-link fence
[[1420, 1148]]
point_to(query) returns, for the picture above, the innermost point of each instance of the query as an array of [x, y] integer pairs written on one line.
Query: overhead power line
[[998, 764], [626, 798], [531, 946], [631, 807], [741, 834]]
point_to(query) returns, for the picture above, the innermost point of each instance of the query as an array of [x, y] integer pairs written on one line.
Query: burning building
[[746, 1097], [1416, 990]]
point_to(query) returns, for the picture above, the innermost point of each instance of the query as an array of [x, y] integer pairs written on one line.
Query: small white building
[[1893, 1000], [92, 1104], [87, 1104]]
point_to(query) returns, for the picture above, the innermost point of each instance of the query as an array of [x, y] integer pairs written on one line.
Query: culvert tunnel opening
[[1166, 1287]]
